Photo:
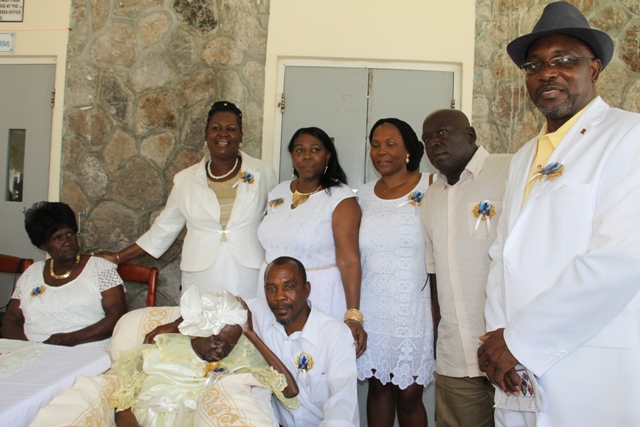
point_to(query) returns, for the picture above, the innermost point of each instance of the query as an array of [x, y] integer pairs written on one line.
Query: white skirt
[[225, 273]]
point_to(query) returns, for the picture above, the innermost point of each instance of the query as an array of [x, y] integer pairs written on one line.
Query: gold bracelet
[[118, 257], [354, 315]]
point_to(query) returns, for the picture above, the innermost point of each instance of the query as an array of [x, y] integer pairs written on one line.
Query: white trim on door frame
[[456, 69]]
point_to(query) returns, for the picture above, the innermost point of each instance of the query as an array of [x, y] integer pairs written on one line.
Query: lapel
[[246, 192], [568, 153], [211, 204], [521, 175]]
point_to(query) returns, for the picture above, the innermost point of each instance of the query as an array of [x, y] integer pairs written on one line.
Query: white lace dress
[[395, 298], [75, 305], [306, 233]]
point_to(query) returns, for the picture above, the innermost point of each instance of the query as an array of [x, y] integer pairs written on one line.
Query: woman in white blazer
[[221, 200]]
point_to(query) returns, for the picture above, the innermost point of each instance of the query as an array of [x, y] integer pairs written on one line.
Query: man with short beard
[[563, 302], [317, 348]]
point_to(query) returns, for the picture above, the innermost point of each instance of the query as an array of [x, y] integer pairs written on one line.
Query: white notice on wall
[[11, 10]]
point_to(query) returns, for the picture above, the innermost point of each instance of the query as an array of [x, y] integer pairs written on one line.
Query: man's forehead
[[283, 273], [558, 44], [445, 118]]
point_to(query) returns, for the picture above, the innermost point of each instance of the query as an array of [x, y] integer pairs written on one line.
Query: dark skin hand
[[495, 359], [346, 225], [274, 361], [126, 419], [125, 255], [169, 328]]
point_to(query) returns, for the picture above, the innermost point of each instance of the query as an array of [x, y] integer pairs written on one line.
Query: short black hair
[[411, 142], [45, 218], [288, 260], [334, 174], [220, 106]]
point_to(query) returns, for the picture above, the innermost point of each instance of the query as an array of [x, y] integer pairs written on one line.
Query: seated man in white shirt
[[316, 347]]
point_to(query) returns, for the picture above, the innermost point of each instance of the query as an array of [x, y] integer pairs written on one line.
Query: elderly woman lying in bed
[[161, 384]]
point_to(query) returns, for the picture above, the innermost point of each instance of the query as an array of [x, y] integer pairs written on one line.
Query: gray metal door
[[333, 99], [346, 102], [409, 95], [25, 115]]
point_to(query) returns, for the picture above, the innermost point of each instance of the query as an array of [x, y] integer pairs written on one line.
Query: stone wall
[[141, 76], [503, 115]]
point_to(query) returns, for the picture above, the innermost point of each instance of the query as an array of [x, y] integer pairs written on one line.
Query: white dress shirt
[[328, 389], [458, 254]]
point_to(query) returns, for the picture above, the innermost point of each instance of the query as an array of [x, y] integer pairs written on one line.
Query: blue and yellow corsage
[[413, 199], [38, 290], [484, 211], [273, 204]]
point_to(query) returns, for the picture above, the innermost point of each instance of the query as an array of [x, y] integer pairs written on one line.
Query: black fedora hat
[[563, 18]]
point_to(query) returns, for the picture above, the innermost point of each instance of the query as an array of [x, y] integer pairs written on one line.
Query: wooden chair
[[141, 274], [12, 264]]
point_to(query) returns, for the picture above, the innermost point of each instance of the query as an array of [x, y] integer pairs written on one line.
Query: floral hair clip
[[414, 199], [38, 290], [548, 173], [484, 211], [273, 204]]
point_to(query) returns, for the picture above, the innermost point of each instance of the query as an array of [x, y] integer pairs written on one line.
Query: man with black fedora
[[563, 293]]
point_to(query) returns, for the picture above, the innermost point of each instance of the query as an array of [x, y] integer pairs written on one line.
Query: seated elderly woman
[[70, 299], [161, 384]]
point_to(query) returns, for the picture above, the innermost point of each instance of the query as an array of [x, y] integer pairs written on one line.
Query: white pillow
[[133, 326]]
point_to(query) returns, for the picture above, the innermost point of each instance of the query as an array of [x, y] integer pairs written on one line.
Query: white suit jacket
[[193, 203], [565, 275]]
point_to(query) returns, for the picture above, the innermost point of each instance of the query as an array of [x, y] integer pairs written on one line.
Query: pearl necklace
[[65, 275], [212, 176]]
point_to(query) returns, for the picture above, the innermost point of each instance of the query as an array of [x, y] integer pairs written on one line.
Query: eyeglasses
[[561, 62]]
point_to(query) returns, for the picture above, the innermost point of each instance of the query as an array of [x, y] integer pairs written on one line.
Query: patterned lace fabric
[[75, 305], [15, 355], [306, 233], [395, 299]]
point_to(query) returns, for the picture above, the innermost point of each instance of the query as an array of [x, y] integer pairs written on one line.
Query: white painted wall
[[366, 30], [44, 34]]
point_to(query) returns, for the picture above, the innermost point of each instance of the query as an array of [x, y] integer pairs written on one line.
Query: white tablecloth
[[25, 391]]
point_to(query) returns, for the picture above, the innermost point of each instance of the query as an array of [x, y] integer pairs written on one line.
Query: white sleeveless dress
[[306, 233], [395, 298]]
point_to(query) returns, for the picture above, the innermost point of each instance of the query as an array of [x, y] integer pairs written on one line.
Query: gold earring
[[293, 171], [407, 160], [325, 169]]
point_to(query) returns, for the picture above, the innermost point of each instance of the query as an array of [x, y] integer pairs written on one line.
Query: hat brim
[[597, 40]]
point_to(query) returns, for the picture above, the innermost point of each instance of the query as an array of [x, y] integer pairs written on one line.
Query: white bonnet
[[206, 315]]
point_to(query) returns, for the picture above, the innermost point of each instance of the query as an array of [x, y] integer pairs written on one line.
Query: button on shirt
[[328, 389], [458, 254]]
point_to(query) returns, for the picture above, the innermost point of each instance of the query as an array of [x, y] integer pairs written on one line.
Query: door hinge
[[453, 103], [281, 104], [53, 98]]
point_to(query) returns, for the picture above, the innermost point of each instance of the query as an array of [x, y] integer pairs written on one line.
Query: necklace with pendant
[[299, 198], [212, 176], [65, 275]]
